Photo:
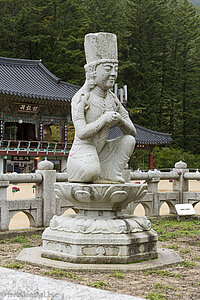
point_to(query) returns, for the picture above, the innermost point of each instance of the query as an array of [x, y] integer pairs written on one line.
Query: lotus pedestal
[[99, 232]]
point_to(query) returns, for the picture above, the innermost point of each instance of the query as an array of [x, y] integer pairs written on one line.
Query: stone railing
[[180, 193], [39, 209], [45, 204]]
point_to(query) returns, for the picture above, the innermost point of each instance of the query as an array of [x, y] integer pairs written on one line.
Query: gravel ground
[[181, 281]]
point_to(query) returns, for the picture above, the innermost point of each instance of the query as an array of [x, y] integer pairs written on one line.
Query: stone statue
[[94, 159], [100, 231]]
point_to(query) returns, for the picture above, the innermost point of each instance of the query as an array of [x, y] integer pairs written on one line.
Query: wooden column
[[20, 131], [151, 159], [37, 131], [64, 133]]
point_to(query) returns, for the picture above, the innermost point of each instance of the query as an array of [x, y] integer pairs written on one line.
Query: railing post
[[45, 190], [4, 205], [180, 185], [153, 188]]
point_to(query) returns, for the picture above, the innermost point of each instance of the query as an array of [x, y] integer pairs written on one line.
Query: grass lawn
[[181, 281]]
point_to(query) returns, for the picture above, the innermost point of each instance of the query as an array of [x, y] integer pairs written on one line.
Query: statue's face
[[106, 75]]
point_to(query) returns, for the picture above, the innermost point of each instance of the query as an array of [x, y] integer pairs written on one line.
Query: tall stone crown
[[101, 46]]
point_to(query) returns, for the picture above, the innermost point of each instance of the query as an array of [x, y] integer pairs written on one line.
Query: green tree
[[69, 26], [161, 67], [9, 16], [183, 73], [159, 52], [165, 157], [144, 58]]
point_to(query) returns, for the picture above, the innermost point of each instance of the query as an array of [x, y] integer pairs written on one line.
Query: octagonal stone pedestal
[[99, 233]]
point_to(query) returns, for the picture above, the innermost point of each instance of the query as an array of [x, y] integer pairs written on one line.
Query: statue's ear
[[90, 71]]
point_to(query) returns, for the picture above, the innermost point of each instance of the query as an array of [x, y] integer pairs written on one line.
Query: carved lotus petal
[[54, 223], [59, 192], [99, 196], [87, 225], [122, 228], [118, 196], [79, 228], [116, 191], [62, 191], [135, 194], [84, 193], [83, 196], [140, 192]]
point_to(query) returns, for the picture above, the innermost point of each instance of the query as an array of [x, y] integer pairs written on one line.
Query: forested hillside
[[196, 2], [159, 52]]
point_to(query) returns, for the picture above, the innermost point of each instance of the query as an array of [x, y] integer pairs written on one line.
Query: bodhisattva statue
[[100, 231], [93, 158]]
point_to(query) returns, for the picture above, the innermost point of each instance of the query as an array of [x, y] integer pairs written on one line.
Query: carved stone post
[[46, 190], [153, 188], [4, 225], [180, 185]]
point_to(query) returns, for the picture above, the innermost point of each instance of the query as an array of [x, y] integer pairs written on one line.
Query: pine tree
[[159, 52], [69, 24], [9, 16], [183, 73], [144, 60]]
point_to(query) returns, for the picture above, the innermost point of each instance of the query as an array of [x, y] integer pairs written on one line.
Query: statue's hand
[[113, 118], [119, 118], [84, 100]]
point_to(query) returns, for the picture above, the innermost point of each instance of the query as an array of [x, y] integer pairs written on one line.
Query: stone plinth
[[99, 233]]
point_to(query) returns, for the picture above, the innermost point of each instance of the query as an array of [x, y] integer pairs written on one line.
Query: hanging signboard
[[31, 108], [20, 158]]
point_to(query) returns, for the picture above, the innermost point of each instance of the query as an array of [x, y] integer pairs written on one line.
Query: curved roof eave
[[144, 136], [30, 78]]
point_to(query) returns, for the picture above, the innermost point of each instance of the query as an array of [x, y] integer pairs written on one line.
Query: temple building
[[33, 102], [35, 120]]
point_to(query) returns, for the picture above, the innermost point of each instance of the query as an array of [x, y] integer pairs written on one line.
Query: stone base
[[99, 233], [99, 248], [166, 257]]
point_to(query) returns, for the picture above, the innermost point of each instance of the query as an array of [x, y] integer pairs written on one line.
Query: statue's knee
[[91, 173], [129, 141]]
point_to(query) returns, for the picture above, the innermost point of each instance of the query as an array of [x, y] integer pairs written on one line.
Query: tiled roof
[[144, 136], [30, 78]]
